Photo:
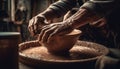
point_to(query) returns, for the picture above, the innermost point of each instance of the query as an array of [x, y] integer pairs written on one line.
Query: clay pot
[[33, 54], [62, 43]]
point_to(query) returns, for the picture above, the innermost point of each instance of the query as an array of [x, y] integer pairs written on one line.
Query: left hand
[[52, 29]]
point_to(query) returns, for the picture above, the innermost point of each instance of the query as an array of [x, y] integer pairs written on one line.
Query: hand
[[36, 23], [99, 23], [53, 29]]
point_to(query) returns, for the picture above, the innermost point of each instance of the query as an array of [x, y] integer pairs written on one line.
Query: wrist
[[68, 23], [42, 18], [82, 17], [48, 14], [78, 19]]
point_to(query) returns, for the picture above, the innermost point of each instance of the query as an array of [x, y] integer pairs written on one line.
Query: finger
[[36, 25], [47, 34], [42, 32], [103, 22], [51, 35], [30, 24], [100, 23], [30, 27]]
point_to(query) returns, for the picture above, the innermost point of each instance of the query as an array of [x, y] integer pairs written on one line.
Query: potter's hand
[[99, 23], [52, 29], [36, 23]]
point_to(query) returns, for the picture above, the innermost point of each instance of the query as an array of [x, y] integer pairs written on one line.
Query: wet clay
[[33, 54], [62, 43]]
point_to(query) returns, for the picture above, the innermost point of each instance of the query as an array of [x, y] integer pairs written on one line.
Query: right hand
[[36, 23], [48, 31]]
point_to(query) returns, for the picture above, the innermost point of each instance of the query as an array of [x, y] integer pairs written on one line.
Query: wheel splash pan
[[83, 53]]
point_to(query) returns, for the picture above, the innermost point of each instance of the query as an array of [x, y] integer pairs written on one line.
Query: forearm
[[82, 17], [102, 7], [92, 11], [59, 8]]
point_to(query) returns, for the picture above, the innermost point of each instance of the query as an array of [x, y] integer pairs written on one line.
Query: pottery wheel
[[81, 51], [77, 52]]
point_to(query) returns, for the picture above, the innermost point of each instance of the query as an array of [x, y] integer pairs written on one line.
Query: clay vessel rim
[[74, 32]]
